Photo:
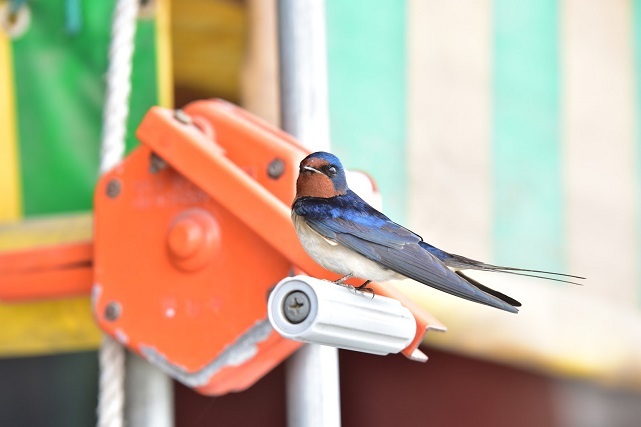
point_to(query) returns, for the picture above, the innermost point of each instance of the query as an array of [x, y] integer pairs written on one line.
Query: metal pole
[[150, 394], [303, 71], [313, 392]]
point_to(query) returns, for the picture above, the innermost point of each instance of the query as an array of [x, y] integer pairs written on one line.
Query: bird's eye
[[332, 170]]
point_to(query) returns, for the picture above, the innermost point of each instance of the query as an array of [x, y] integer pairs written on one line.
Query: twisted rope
[[118, 84], [111, 397]]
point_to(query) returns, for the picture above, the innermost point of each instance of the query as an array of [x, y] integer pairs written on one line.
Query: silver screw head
[[113, 188], [183, 117], [296, 307], [112, 311], [276, 168], [156, 163]]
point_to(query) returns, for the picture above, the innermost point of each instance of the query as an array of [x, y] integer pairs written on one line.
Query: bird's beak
[[311, 169]]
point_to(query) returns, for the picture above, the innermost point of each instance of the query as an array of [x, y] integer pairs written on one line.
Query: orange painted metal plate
[[183, 314]]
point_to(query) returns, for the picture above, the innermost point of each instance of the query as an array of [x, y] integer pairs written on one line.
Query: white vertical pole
[[313, 392], [150, 394], [303, 71]]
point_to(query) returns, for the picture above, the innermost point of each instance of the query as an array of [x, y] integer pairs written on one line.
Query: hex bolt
[[113, 188], [296, 307], [112, 311], [182, 117], [156, 163], [276, 168]]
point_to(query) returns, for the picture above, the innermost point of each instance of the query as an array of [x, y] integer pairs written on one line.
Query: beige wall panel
[[450, 124], [599, 140]]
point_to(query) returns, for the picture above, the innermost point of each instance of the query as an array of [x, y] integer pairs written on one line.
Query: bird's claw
[[363, 288], [345, 285], [342, 279]]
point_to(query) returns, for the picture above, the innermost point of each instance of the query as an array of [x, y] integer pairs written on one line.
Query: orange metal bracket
[[192, 230], [237, 174], [46, 272]]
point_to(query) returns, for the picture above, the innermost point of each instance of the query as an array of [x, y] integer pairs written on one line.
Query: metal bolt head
[[296, 307], [182, 117], [276, 168], [156, 163], [112, 311], [113, 188]]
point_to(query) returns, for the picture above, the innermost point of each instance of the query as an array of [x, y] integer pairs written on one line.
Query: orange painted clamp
[[192, 231]]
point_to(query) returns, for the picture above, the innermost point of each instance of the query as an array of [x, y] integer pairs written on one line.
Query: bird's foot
[[350, 287], [363, 288], [342, 279]]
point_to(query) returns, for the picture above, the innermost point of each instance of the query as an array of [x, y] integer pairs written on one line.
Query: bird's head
[[321, 175]]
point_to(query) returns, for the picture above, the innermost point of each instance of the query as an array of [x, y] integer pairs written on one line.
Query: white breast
[[337, 258]]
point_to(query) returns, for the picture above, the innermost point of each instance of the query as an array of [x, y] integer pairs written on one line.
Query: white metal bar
[[303, 71], [313, 397], [150, 394], [313, 392]]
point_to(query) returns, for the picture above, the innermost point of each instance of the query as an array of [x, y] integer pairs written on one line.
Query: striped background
[[522, 118], [519, 146]]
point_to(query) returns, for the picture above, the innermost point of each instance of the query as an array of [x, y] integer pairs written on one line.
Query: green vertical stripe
[[367, 93], [144, 79], [60, 88], [528, 193], [59, 99]]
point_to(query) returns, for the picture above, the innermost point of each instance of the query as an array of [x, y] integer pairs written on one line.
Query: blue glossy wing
[[351, 222]]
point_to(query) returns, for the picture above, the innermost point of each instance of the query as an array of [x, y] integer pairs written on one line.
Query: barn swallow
[[344, 234]]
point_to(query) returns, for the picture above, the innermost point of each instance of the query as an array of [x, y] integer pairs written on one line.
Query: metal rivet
[[112, 311], [182, 117], [113, 188], [296, 307], [276, 168], [156, 163]]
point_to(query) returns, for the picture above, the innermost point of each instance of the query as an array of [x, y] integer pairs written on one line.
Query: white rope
[[111, 397], [111, 394], [118, 84]]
